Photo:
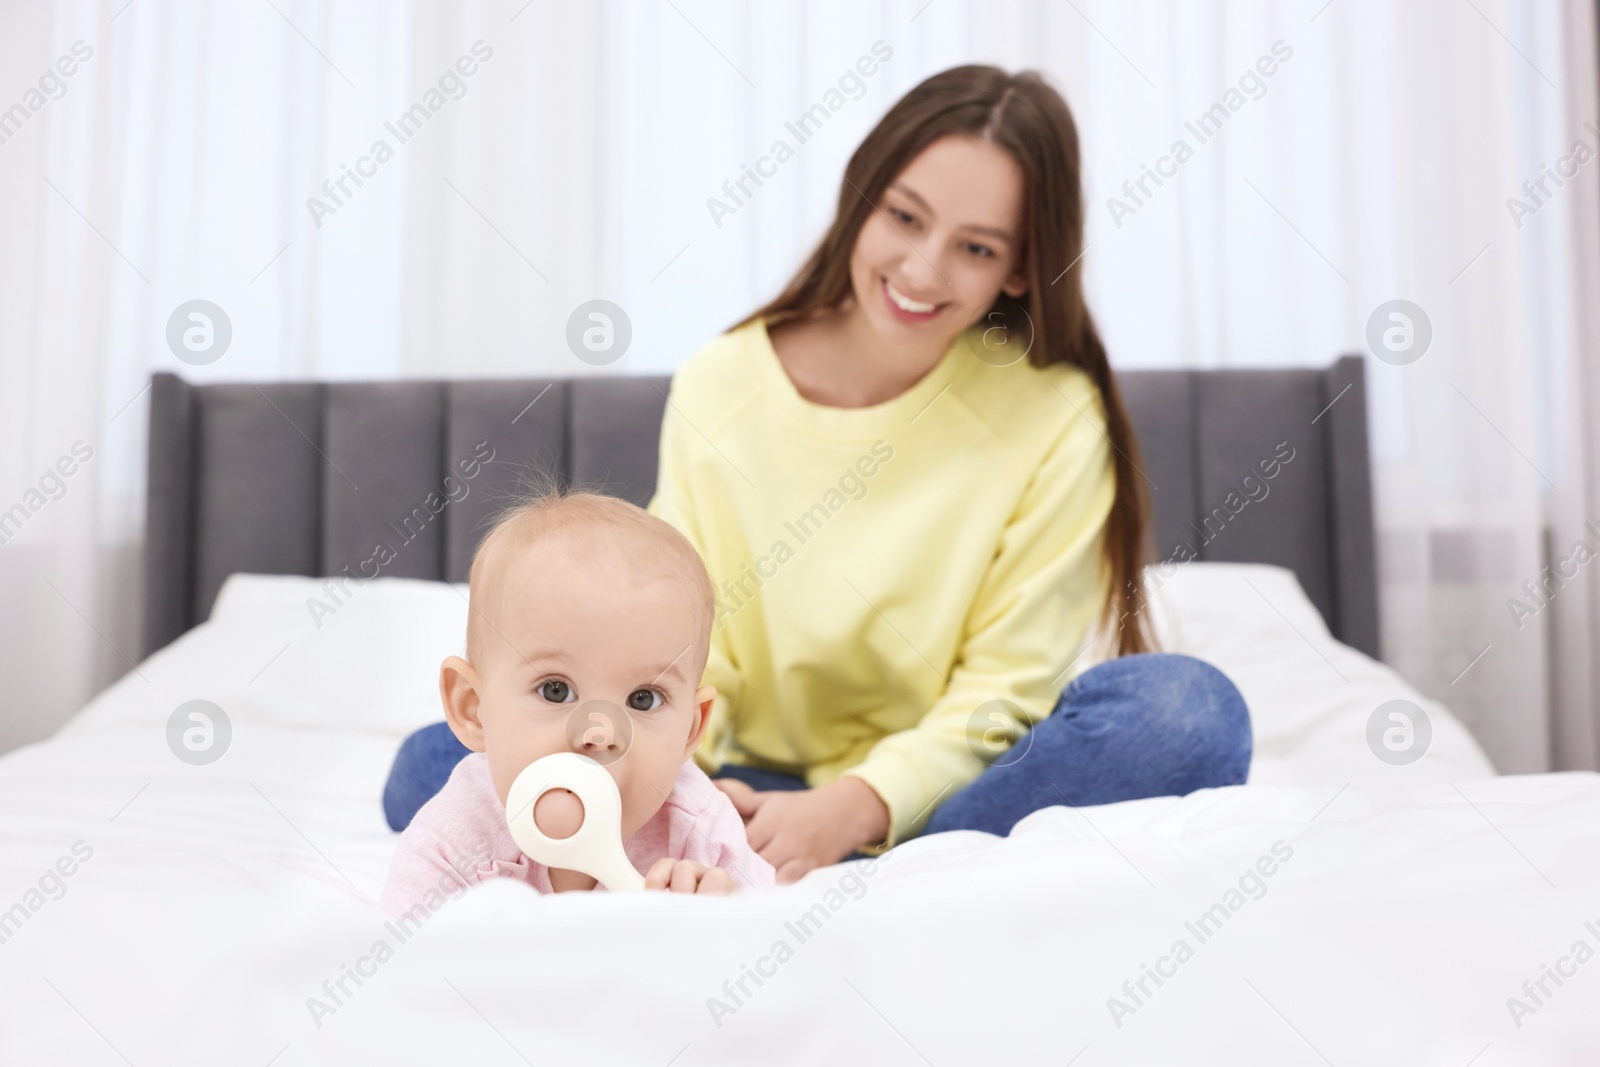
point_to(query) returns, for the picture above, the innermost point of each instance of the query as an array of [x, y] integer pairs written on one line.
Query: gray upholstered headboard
[[309, 478]]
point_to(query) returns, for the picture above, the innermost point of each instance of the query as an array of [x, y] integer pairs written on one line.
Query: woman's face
[[945, 241]]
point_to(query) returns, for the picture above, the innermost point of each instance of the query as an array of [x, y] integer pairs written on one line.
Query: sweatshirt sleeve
[[428, 868], [455, 840], [674, 503], [719, 841], [1035, 605]]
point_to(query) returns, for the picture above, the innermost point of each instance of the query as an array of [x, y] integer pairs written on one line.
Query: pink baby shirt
[[460, 838]]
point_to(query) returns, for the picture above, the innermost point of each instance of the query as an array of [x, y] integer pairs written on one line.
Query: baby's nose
[[600, 730], [600, 733]]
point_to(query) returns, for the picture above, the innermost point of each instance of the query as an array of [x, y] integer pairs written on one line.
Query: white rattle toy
[[595, 848]]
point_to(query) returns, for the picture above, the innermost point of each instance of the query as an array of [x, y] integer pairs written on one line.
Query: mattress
[[1348, 905]]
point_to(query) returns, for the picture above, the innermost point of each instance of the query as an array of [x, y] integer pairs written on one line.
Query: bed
[[1340, 908]]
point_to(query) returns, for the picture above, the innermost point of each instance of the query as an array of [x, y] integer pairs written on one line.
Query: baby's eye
[[555, 690], [644, 700]]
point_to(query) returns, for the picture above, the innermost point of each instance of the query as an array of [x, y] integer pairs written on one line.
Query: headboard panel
[[255, 493], [525, 425], [393, 478], [384, 444]]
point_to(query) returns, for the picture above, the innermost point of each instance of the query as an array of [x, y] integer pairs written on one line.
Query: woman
[[915, 484]]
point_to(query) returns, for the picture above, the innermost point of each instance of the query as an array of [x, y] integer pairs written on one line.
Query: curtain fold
[[1573, 383]]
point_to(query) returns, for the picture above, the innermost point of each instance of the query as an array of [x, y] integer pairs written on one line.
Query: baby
[[588, 630]]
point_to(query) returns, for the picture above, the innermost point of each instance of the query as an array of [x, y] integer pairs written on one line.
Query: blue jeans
[[1152, 725]]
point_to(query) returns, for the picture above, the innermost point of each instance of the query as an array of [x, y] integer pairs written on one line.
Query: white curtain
[[597, 150]]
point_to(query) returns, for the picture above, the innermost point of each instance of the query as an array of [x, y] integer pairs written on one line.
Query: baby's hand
[[687, 876]]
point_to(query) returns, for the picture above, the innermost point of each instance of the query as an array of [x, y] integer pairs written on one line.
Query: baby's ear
[[458, 690], [704, 697]]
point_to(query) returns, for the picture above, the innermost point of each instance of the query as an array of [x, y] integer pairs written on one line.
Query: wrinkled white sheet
[[222, 905]]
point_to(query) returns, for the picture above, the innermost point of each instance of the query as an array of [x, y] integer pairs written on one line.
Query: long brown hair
[[1022, 114]]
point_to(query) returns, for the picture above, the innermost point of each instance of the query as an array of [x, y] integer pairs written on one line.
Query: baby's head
[[588, 631]]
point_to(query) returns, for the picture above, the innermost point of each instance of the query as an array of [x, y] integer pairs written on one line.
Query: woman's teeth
[[905, 303]]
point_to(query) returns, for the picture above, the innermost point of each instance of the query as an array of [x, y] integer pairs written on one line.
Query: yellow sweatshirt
[[884, 573]]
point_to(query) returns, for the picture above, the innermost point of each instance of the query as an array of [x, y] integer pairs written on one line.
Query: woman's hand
[[796, 831], [687, 876]]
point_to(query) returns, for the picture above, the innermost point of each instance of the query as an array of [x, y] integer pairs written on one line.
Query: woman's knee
[[1185, 703], [1200, 703]]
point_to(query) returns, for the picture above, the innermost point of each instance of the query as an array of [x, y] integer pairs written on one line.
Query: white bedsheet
[[218, 900]]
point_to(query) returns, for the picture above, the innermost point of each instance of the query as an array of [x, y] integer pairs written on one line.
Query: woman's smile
[[907, 309]]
